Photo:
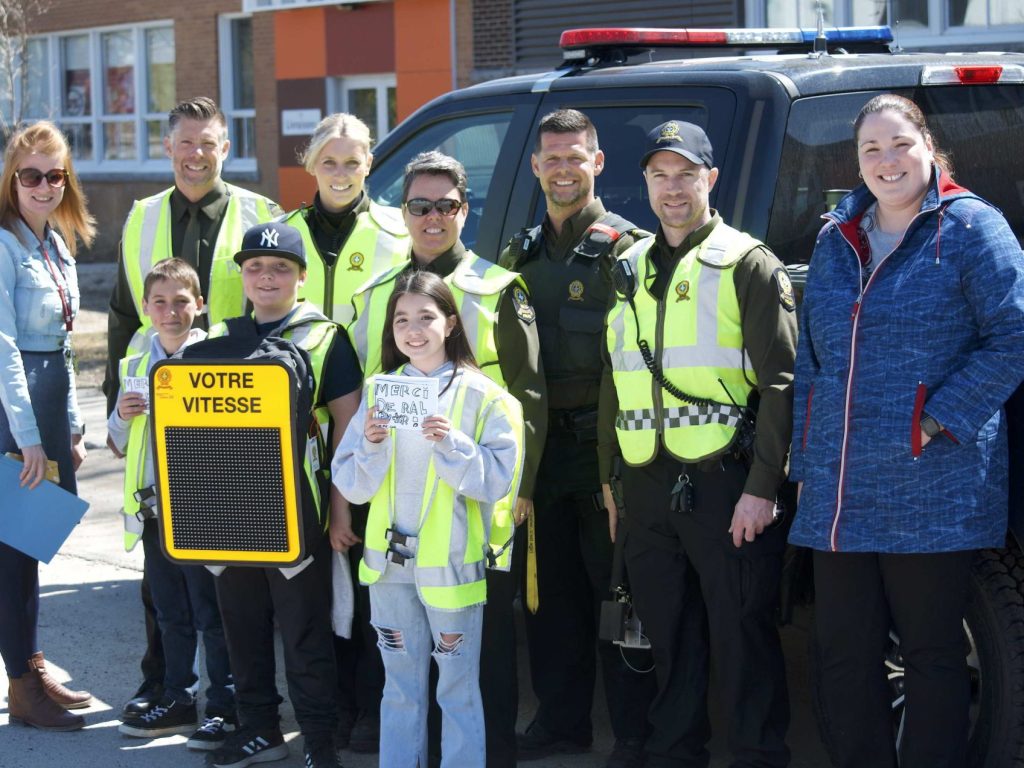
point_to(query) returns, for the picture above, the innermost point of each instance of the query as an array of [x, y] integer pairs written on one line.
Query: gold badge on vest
[[576, 290], [356, 262], [683, 291]]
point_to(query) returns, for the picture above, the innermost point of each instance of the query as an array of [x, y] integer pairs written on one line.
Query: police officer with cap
[[699, 344], [566, 260]]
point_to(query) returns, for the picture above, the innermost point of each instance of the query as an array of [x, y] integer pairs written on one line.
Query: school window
[[108, 89], [238, 90], [916, 23], [371, 98]]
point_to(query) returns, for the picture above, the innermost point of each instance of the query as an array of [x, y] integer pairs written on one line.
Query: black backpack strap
[[522, 244], [602, 235], [241, 326]]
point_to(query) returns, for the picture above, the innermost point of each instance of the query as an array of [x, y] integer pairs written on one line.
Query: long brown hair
[[71, 217], [890, 102], [422, 283]]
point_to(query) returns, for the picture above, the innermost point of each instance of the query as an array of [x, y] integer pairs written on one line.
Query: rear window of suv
[[979, 127]]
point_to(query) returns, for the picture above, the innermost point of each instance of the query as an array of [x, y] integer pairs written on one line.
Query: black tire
[[994, 637], [995, 624]]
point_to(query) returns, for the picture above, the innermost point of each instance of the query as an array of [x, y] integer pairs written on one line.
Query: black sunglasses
[[33, 177], [420, 206]]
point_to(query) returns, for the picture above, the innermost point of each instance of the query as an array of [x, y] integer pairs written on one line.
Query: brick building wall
[[196, 73], [493, 39]]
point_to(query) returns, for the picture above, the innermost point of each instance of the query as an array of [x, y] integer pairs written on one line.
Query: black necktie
[[191, 242]]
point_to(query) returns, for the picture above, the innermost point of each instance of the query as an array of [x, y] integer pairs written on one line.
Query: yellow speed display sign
[[227, 469]]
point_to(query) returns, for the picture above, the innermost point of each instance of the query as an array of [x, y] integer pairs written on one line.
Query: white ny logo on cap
[[268, 238]]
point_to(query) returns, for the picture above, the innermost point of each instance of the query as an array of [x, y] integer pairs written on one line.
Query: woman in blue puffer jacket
[[911, 339]]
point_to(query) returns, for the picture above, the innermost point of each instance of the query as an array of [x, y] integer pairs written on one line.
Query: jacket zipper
[[855, 319]]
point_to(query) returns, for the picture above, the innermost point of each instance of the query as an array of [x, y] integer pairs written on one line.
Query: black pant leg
[[928, 596], [628, 693], [499, 684], [740, 586], [247, 612], [19, 609], [303, 607], [153, 665], [667, 600], [560, 635], [852, 631]]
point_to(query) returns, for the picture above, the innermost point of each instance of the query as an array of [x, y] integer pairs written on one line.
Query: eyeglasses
[[420, 206], [31, 178]]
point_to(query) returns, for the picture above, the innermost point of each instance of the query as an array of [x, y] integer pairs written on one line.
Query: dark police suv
[[780, 117]]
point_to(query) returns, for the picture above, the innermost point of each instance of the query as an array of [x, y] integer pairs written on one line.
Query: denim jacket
[[31, 320]]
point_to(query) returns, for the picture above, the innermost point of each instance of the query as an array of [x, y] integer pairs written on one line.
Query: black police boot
[[144, 700], [538, 742]]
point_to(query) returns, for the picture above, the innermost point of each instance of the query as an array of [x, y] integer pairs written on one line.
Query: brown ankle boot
[[28, 703], [61, 696]]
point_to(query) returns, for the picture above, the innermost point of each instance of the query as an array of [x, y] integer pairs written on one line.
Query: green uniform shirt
[[769, 336], [519, 359], [569, 294]]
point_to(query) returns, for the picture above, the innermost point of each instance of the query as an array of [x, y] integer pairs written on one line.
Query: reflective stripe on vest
[[308, 329], [135, 455], [696, 335], [477, 286], [450, 561], [146, 240], [377, 242]]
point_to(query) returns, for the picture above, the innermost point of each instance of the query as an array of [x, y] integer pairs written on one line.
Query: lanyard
[[59, 279]]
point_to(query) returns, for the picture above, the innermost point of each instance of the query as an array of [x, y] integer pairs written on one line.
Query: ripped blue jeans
[[408, 633]]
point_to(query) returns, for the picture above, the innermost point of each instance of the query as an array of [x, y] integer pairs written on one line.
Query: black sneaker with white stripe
[[212, 733], [322, 755], [168, 716], [248, 746]]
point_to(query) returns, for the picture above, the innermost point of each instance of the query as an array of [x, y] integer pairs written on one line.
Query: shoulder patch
[[785, 286], [521, 301]]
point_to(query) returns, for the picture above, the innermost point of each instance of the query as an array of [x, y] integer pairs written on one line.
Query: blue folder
[[36, 522]]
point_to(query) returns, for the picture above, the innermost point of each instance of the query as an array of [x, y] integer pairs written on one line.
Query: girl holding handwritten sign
[[431, 494]]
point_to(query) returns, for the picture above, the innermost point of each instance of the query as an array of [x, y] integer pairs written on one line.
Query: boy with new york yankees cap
[[272, 260]]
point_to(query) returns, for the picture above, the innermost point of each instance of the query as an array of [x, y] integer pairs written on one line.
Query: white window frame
[[226, 59], [337, 97], [938, 32], [142, 164]]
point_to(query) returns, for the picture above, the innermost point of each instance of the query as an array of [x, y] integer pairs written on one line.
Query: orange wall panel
[[423, 52], [300, 46], [295, 187]]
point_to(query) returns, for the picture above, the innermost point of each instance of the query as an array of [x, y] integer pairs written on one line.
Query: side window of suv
[[977, 126], [474, 140]]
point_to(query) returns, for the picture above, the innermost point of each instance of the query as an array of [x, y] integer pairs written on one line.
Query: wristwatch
[[929, 425]]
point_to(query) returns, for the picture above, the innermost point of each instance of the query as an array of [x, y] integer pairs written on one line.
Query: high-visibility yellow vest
[[310, 330], [146, 240], [477, 285], [135, 455], [451, 552], [377, 242], [695, 334]]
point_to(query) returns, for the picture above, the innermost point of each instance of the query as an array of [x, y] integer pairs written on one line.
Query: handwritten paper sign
[[405, 400], [138, 384]]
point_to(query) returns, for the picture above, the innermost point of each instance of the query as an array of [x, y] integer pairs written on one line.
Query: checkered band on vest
[[689, 416]]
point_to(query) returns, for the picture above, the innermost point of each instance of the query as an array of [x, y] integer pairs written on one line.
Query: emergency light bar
[[575, 42], [972, 75]]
